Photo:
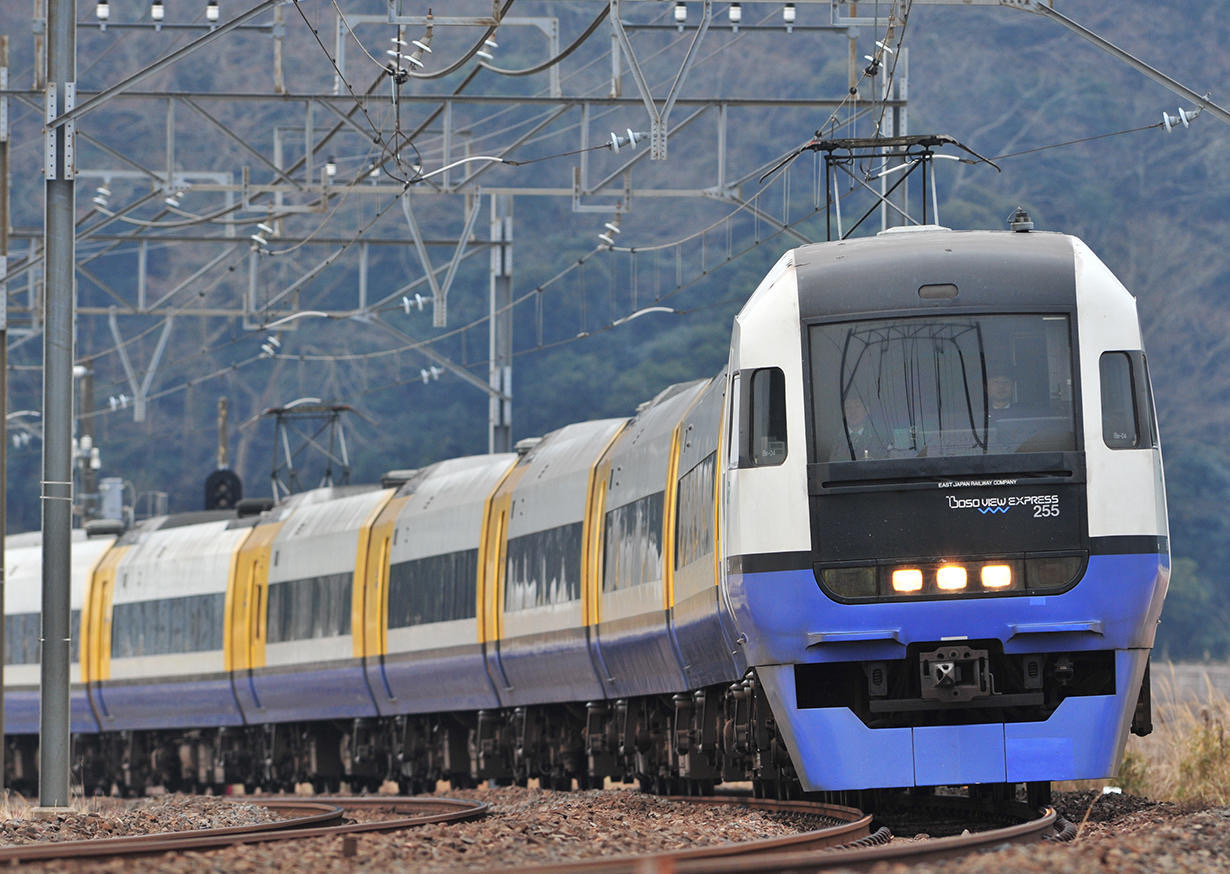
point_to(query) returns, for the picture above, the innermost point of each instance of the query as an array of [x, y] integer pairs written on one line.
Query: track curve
[[319, 817], [849, 844]]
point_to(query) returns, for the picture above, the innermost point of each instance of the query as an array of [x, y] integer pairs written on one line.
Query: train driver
[[1001, 388], [864, 442]]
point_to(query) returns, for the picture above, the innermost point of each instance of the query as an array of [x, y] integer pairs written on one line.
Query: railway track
[[846, 840], [320, 817], [842, 836]]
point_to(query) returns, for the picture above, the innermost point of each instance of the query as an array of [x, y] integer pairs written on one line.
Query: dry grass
[[16, 806], [1187, 757]]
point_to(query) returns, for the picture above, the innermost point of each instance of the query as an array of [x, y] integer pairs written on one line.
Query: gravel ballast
[[1120, 833]]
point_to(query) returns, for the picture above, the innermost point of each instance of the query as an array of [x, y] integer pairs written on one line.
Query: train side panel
[[312, 669], [23, 628], [634, 641], [167, 611], [429, 537], [247, 611], [542, 653], [699, 615], [1127, 495]]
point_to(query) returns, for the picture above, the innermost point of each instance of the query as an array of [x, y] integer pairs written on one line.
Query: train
[[913, 535]]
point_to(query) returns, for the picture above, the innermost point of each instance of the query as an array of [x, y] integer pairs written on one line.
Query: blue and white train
[[913, 535]]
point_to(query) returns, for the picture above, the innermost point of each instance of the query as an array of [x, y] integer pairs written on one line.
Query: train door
[[96, 638], [591, 569], [247, 615], [372, 631], [491, 588], [725, 515]]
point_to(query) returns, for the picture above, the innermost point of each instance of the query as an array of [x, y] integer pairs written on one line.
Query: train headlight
[[907, 580], [996, 576], [951, 578]]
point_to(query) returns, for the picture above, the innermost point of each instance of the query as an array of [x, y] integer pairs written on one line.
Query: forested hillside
[[1153, 205]]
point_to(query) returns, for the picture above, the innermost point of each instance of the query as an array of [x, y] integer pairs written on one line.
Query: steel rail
[[847, 846], [1032, 830], [850, 826], [321, 817]]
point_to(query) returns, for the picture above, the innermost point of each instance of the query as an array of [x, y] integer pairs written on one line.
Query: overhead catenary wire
[[520, 299], [577, 264], [1131, 130], [377, 132], [460, 62], [633, 249], [896, 56], [537, 290], [562, 56]]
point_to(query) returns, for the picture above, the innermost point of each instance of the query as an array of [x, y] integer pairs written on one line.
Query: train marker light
[[950, 578], [996, 576], [907, 580]]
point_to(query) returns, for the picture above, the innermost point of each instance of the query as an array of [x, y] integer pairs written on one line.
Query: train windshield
[[942, 386]]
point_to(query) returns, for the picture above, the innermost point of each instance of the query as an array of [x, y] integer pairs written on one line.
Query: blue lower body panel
[[1084, 738], [432, 681], [188, 702], [833, 750], [336, 690], [703, 642], [947, 754], [547, 667], [22, 705], [638, 655]]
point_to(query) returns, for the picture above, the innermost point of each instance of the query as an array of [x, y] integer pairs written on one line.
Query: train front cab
[[950, 674]]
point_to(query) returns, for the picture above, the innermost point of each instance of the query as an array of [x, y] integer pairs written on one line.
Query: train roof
[[995, 270]]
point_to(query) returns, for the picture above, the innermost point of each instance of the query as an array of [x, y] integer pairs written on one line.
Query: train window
[[438, 588], [632, 548], [543, 568], [733, 424], [311, 608], [1127, 401], [1118, 402], [763, 437], [694, 519], [21, 638], [23, 634], [941, 386], [192, 623]]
